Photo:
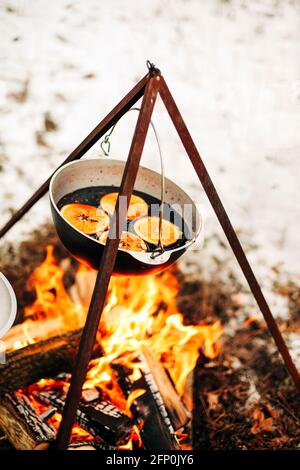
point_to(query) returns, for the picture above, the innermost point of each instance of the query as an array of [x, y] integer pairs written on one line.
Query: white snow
[[233, 67]]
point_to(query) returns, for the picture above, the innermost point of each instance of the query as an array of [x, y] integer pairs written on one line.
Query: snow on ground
[[233, 67]]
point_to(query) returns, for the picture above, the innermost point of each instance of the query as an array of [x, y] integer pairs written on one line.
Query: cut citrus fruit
[[148, 229], [128, 241], [87, 219], [137, 207]]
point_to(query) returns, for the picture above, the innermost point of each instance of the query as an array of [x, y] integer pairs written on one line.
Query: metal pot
[[108, 172]]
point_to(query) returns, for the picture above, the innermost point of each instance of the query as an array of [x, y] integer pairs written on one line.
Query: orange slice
[[137, 207], [87, 219], [129, 241], [148, 229]]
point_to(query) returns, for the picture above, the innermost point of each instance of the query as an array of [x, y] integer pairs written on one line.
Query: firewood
[[154, 372], [157, 431], [188, 396], [24, 429], [99, 418], [35, 330], [116, 424], [48, 357], [80, 292], [83, 446]]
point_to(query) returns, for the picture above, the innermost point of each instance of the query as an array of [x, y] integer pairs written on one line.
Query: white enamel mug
[[8, 305]]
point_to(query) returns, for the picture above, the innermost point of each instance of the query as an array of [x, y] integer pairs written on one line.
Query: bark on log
[[155, 373], [24, 429], [46, 358], [157, 432], [100, 418], [83, 446], [35, 330]]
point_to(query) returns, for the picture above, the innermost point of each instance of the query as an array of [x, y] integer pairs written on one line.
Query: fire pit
[[137, 392], [241, 398]]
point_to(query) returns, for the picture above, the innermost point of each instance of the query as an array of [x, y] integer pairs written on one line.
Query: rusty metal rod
[[112, 118], [106, 265], [229, 231]]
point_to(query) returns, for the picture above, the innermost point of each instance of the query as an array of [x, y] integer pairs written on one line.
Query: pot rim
[[130, 252]]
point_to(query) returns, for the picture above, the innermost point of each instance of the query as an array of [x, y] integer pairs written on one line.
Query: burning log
[[100, 418], [84, 446], [158, 405], [154, 372], [50, 325], [23, 427], [29, 364], [31, 331]]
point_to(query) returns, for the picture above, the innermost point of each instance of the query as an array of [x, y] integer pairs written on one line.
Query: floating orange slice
[[148, 229], [137, 207], [87, 219], [129, 241]]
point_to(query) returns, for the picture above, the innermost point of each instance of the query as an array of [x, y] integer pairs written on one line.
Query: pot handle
[[146, 258], [105, 147]]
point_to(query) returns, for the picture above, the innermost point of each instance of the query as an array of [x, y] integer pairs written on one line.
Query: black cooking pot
[[108, 172]]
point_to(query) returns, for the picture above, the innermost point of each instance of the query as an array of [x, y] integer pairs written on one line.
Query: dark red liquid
[[92, 196]]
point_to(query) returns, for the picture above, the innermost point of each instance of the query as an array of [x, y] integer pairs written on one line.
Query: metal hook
[[106, 142], [152, 68]]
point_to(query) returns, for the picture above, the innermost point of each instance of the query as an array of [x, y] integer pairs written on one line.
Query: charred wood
[[84, 446], [100, 418], [22, 426], [48, 357], [155, 373], [149, 410], [35, 330], [26, 429]]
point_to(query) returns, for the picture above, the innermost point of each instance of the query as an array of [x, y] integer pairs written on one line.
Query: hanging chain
[[105, 146]]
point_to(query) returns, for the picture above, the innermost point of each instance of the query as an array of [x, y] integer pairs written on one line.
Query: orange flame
[[138, 311], [52, 299], [144, 310]]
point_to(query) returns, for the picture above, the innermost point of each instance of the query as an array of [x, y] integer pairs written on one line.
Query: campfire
[[137, 393]]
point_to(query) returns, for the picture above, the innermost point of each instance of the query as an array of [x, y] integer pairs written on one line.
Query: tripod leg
[[107, 264], [125, 104], [229, 231]]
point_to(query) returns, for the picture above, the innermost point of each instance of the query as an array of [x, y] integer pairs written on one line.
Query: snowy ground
[[233, 67]]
